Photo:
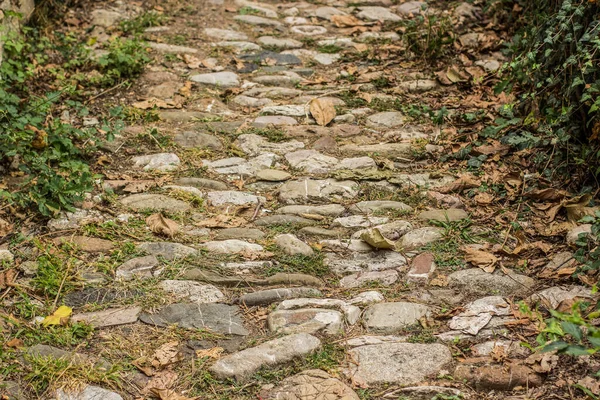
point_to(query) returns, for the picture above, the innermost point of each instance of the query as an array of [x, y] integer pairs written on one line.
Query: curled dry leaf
[[322, 110], [343, 21], [161, 225], [166, 355], [484, 260], [168, 394], [463, 183], [548, 194], [5, 227], [7, 278], [191, 61], [214, 352], [377, 240], [483, 198], [154, 102]]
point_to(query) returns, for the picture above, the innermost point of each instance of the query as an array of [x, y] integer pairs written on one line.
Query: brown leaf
[[214, 352], [16, 343], [139, 186], [548, 194], [40, 140], [374, 238], [154, 102], [166, 355], [322, 110], [192, 62], [161, 225], [462, 183], [484, 260], [168, 394], [7, 278], [5, 227], [483, 198], [342, 21]]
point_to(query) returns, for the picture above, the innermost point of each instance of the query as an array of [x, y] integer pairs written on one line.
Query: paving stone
[[392, 230], [308, 320], [411, 8], [244, 364], [256, 20], [239, 233], [271, 41], [198, 140], [308, 30], [326, 59], [321, 232], [271, 220], [498, 377], [388, 318], [274, 93], [477, 281], [422, 268], [358, 221], [273, 58], [387, 150], [75, 219], [328, 12], [367, 298], [328, 210], [350, 245], [351, 312], [420, 237], [275, 120], [241, 166], [139, 267], [225, 34], [316, 191], [375, 206], [86, 243], [265, 297], [377, 14], [374, 36], [109, 317], [218, 318], [311, 161], [163, 162], [88, 393], [231, 246], [185, 189], [219, 79], [192, 291], [106, 18], [452, 214], [387, 119], [157, 202], [289, 110], [479, 314], [247, 101], [165, 90], [220, 198], [366, 340], [254, 145], [273, 175], [356, 163], [419, 85], [238, 47], [383, 278], [397, 363], [182, 116], [295, 21], [167, 250], [313, 384], [291, 245], [362, 262], [171, 48], [266, 9]]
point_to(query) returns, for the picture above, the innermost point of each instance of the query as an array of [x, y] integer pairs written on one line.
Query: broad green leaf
[[572, 330]]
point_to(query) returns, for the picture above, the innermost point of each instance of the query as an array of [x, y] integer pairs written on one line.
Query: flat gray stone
[[351, 312], [244, 364], [309, 320], [388, 318], [328, 12], [220, 198], [387, 150], [315, 383], [421, 237], [309, 30], [383, 278], [411, 7], [311, 161], [271, 220], [328, 210], [377, 14], [359, 221], [387, 119], [363, 262], [367, 298], [157, 202], [320, 232], [109, 317], [192, 291], [171, 48], [290, 110], [317, 191], [225, 34], [231, 246], [167, 250], [106, 18], [264, 297], [255, 145], [392, 230], [218, 318], [397, 363], [239, 233], [275, 120], [373, 206], [88, 393], [198, 140], [239, 47], [291, 245], [270, 41], [247, 101], [139, 267], [162, 162], [220, 79], [256, 20], [272, 175], [479, 282]]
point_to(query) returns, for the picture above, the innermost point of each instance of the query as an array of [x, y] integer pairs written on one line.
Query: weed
[[352, 100], [329, 49], [429, 37], [273, 134], [145, 20], [381, 82], [126, 59], [299, 263], [247, 10]]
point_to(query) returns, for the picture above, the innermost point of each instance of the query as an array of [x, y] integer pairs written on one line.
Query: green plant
[[329, 48], [572, 333], [428, 36], [145, 20], [126, 59], [273, 134]]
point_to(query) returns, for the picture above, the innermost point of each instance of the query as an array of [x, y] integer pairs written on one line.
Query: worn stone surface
[[239, 233], [232, 197], [397, 363], [383, 278], [192, 291], [421, 237], [86, 243], [139, 267], [87, 393], [109, 317], [231, 246], [243, 364], [308, 320], [422, 268], [218, 318], [498, 377], [452, 214], [269, 296], [479, 282], [317, 191], [362, 262], [167, 250], [158, 202], [390, 318], [219, 79], [310, 384], [291, 245]]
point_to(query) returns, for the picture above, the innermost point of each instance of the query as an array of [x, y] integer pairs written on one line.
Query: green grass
[[275, 135], [329, 49], [311, 265], [145, 20]]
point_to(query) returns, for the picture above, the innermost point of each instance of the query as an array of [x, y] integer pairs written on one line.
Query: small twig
[[256, 211], [104, 92]]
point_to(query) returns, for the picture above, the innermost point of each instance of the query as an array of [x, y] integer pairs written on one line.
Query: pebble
[[242, 365], [272, 175], [308, 320], [479, 282], [109, 317], [367, 298], [291, 245]]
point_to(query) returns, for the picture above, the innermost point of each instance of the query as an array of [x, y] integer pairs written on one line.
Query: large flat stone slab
[[218, 318], [243, 364], [479, 282], [388, 318], [110, 317], [156, 202], [307, 385], [397, 363]]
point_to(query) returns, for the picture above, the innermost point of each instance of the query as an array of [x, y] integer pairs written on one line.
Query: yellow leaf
[[322, 110], [60, 316]]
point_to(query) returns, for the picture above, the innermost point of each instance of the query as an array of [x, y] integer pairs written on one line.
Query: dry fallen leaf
[[322, 110], [462, 183], [191, 61], [7, 278], [60, 316], [377, 240], [161, 225], [40, 140], [342, 21], [154, 102], [168, 394], [5, 227], [139, 186], [214, 352], [166, 354], [484, 260], [15, 343]]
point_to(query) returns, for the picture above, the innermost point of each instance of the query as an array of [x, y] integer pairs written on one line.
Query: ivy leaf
[[559, 345], [575, 350], [572, 330]]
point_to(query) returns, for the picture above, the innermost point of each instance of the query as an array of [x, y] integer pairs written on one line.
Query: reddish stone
[[421, 268], [498, 377]]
